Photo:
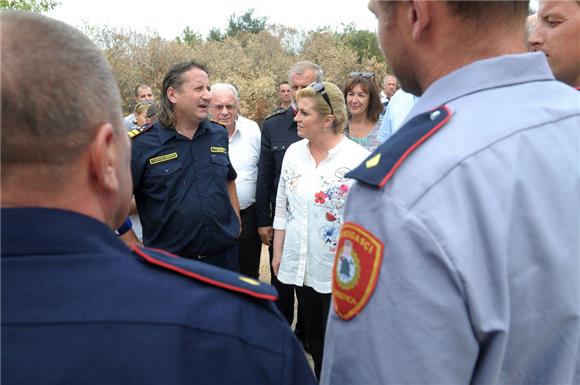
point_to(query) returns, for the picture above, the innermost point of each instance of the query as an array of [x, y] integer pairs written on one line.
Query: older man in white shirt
[[244, 152]]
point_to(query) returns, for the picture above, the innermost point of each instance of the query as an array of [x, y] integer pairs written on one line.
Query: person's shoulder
[[207, 275], [297, 148], [214, 126], [380, 166], [277, 116], [354, 150], [139, 131], [248, 125], [276, 111]]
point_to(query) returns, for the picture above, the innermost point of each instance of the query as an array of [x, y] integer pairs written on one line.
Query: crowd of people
[[430, 234]]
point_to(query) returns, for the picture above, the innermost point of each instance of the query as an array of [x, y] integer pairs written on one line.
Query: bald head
[[57, 87]]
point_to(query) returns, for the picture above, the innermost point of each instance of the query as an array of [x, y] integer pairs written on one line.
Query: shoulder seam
[[199, 277], [474, 153]]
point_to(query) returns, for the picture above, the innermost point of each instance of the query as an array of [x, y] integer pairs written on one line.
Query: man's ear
[[171, 95], [103, 155], [419, 17]]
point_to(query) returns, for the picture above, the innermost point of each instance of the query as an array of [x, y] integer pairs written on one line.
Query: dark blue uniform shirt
[[78, 307], [278, 133], [181, 192]]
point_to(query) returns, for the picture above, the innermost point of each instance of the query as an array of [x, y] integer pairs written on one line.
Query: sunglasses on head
[[366, 75], [319, 89]]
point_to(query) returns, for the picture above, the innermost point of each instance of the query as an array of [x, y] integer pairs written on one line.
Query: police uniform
[[459, 260], [78, 307], [278, 133], [181, 192]]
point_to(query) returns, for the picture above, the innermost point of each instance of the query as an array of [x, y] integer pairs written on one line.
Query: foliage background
[[250, 53]]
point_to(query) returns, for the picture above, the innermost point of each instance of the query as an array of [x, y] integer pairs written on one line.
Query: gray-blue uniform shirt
[[473, 240]]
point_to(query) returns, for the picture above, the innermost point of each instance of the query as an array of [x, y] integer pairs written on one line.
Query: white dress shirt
[[309, 206], [244, 155]]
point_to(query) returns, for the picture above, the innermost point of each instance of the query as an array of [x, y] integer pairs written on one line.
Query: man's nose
[[535, 40]]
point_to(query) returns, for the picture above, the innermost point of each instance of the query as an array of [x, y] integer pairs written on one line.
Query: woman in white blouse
[[310, 204]]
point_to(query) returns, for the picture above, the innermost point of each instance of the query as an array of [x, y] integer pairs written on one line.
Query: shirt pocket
[[163, 181], [278, 150], [220, 159], [280, 146], [215, 171]]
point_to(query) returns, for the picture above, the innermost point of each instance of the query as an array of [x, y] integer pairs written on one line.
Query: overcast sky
[[170, 17]]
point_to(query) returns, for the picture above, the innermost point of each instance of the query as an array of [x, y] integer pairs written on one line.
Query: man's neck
[[187, 128], [286, 105], [231, 129], [450, 57]]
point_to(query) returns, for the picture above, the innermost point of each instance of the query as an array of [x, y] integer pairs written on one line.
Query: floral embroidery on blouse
[[291, 180], [332, 199]]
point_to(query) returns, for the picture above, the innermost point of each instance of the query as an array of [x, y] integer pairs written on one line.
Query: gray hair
[[387, 77], [226, 87], [301, 67]]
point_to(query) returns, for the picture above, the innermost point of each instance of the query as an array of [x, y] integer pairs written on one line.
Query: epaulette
[[218, 123], [138, 131], [382, 164], [275, 113], [206, 273]]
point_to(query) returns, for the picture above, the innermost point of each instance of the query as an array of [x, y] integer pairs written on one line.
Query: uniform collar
[[43, 231], [502, 71], [291, 113], [166, 134]]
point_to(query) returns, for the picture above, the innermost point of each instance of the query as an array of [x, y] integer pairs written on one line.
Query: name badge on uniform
[[219, 150], [163, 158], [356, 269]]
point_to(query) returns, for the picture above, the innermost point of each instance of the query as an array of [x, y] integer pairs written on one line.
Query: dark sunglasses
[[366, 75], [319, 88]]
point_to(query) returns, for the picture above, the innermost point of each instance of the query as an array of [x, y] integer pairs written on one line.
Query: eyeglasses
[[319, 88], [366, 75], [219, 107]]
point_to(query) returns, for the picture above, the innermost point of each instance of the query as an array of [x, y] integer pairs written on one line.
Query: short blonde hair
[[336, 98]]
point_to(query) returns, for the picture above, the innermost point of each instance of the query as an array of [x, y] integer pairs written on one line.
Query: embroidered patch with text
[[220, 150], [356, 269], [163, 158]]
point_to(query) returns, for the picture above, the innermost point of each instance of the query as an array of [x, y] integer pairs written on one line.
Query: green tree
[[215, 34], [37, 6], [364, 43], [189, 37], [247, 23]]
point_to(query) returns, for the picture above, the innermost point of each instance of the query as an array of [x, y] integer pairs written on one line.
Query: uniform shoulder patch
[[275, 113], [218, 123], [138, 131], [206, 273], [382, 164], [356, 269]]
